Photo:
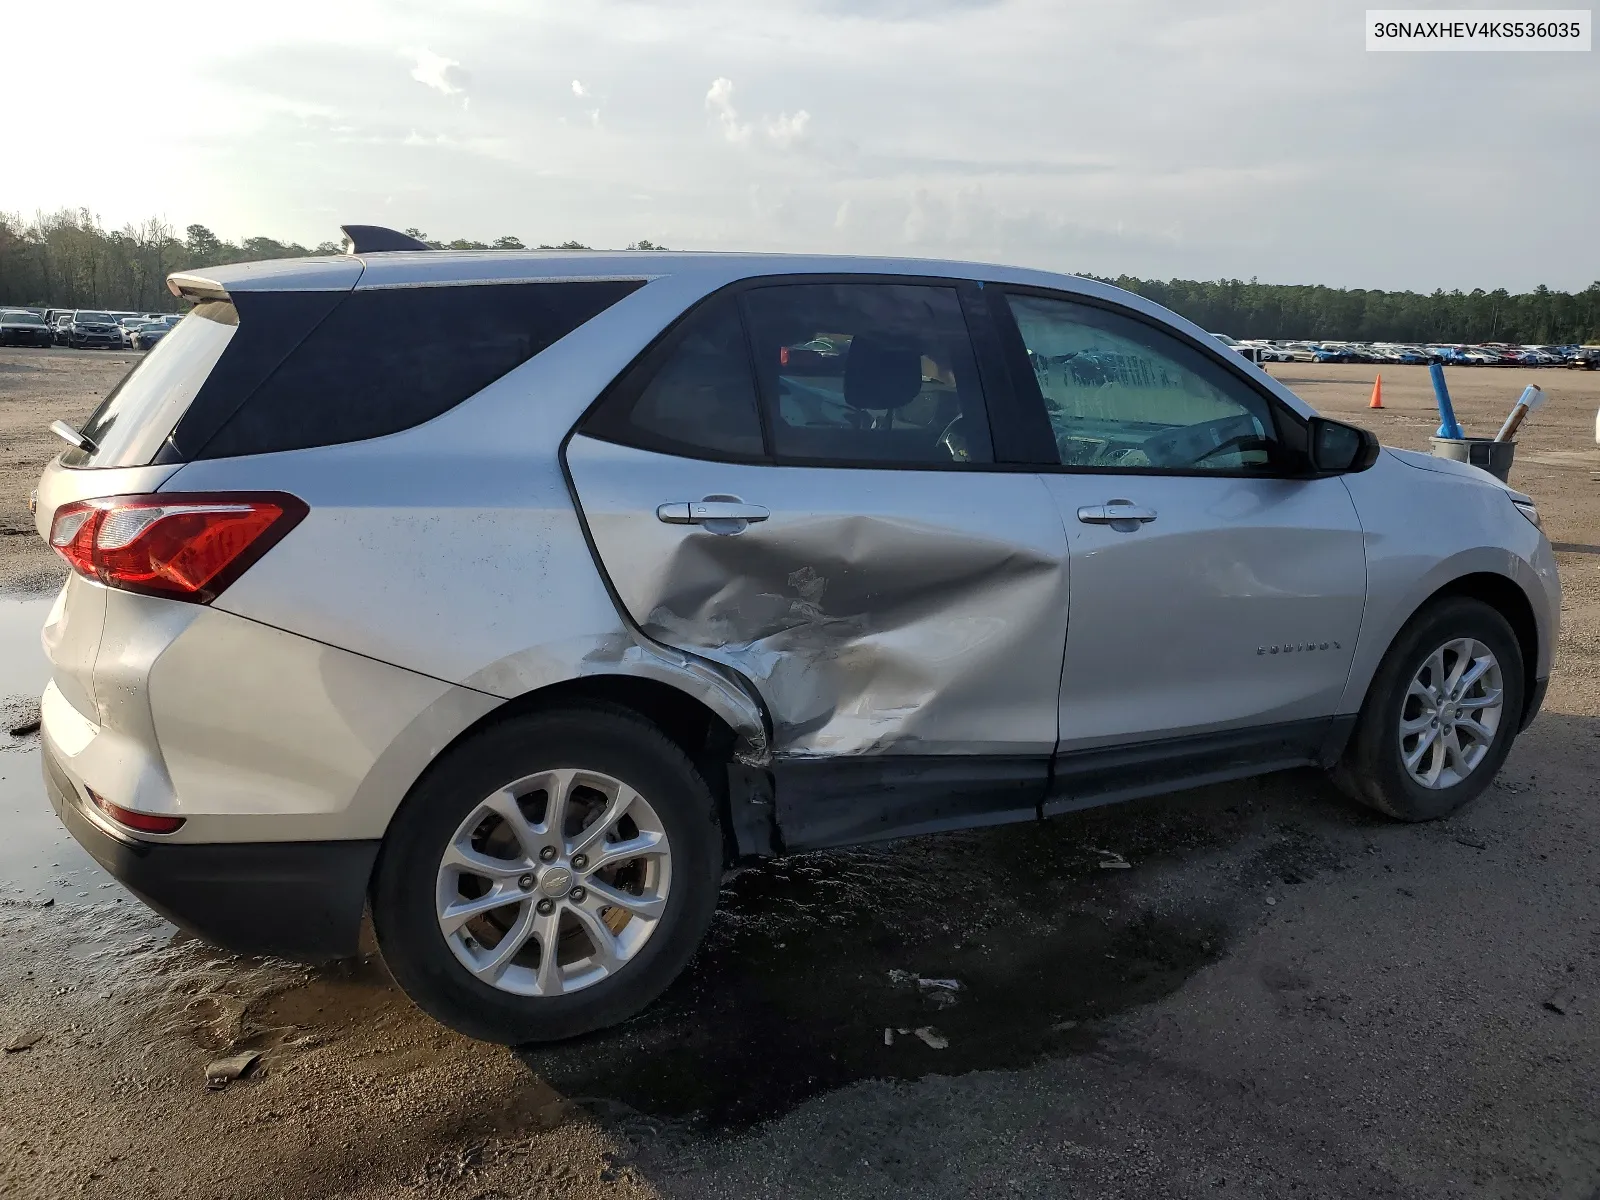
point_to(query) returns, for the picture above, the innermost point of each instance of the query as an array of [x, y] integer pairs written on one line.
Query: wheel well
[[704, 737], [1511, 602]]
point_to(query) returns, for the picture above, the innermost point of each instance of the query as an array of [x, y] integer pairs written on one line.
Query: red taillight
[[137, 821], [183, 546]]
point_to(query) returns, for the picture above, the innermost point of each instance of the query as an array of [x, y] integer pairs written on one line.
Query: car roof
[[422, 268], [705, 271]]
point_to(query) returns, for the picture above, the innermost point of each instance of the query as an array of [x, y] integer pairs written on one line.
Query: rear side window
[[133, 420], [388, 359], [868, 374], [695, 397]]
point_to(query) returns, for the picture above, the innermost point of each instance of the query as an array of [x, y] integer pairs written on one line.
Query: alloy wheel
[[554, 882], [1451, 713]]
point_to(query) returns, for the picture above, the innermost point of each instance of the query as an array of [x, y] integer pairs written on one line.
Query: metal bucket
[[1494, 457]]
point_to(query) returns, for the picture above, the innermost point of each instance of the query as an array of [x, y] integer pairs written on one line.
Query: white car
[[620, 568]]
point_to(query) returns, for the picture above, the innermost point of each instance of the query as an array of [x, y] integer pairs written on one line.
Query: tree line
[[67, 259]]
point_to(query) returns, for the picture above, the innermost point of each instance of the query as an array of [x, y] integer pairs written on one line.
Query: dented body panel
[[875, 611]]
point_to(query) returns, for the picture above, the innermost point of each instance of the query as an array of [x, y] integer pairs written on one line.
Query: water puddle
[[971, 952], [23, 668], [38, 861]]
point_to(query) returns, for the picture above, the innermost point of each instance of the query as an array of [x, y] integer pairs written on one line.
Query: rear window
[[134, 418], [388, 359], [288, 370]]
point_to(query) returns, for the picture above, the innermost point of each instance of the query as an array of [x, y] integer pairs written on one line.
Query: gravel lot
[[1282, 995]]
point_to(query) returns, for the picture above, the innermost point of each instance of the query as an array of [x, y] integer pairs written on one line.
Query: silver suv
[[512, 597]]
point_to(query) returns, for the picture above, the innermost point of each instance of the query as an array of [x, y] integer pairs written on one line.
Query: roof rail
[[369, 239]]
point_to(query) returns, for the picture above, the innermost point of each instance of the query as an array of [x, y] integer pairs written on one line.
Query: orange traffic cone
[[1377, 393]]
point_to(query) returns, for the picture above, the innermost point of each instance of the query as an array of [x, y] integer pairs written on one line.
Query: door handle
[[1115, 512], [699, 512]]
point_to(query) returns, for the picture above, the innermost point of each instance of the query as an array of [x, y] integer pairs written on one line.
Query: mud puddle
[[937, 957]]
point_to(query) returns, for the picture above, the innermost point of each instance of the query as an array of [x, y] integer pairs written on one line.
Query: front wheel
[[548, 876], [1440, 715]]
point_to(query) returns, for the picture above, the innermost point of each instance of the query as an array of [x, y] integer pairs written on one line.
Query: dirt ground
[[1280, 995]]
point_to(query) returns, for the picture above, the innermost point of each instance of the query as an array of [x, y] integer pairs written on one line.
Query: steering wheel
[[1190, 445], [953, 441], [1244, 441]]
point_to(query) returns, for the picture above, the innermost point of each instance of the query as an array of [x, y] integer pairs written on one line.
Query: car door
[[1216, 588], [798, 483]]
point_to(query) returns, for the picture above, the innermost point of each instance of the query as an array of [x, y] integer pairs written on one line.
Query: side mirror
[[1337, 449]]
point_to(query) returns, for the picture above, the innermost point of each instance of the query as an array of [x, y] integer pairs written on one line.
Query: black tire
[[597, 736], [1372, 769]]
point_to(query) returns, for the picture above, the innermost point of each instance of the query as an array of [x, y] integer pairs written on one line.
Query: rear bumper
[[299, 900]]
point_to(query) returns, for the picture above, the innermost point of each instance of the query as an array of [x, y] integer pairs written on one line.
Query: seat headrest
[[880, 373]]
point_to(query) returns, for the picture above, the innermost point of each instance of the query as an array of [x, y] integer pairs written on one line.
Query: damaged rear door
[[799, 482]]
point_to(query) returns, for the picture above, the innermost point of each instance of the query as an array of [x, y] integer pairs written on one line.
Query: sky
[[1157, 138]]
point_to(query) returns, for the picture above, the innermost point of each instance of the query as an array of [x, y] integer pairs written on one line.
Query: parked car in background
[[775, 563], [128, 325], [1331, 354], [148, 334], [91, 329], [1586, 358], [19, 327], [1249, 353]]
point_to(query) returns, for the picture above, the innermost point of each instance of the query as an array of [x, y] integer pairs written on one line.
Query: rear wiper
[[72, 437]]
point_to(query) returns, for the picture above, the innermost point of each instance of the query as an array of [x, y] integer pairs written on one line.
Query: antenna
[[370, 239]]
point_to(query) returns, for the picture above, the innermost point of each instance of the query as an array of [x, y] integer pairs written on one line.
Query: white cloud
[[786, 130], [719, 100], [443, 75], [579, 90], [782, 131]]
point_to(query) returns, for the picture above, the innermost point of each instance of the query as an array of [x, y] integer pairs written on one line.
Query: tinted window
[[696, 397], [868, 373], [388, 359], [1123, 394], [133, 420]]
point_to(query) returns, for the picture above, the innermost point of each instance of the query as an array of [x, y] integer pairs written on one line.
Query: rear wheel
[[1440, 715], [548, 877]]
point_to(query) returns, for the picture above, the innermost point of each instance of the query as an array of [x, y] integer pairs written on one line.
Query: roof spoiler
[[369, 239], [195, 288]]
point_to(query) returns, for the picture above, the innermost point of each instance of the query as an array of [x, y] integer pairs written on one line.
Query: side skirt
[[1111, 774], [827, 802]]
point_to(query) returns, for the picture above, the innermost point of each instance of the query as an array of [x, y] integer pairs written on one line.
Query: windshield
[[22, 318], [135, 418], [90, 317]]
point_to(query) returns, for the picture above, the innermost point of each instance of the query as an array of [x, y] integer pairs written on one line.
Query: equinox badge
[[1297, 647]]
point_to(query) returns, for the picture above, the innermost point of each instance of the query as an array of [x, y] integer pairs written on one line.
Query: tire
[[1373, 769], [412, 884]]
